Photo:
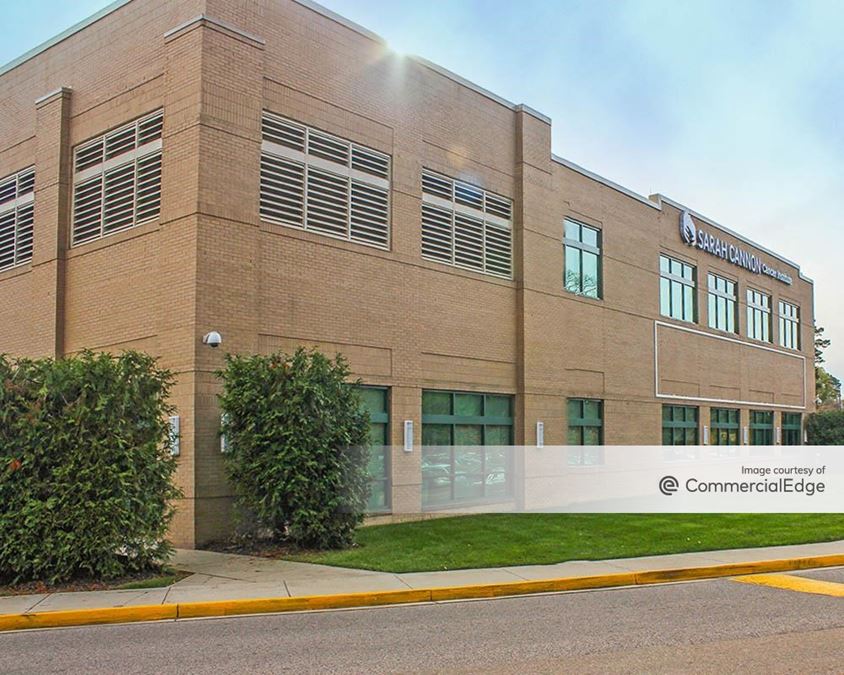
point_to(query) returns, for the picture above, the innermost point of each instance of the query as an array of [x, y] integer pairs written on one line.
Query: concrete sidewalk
[[223, 576]]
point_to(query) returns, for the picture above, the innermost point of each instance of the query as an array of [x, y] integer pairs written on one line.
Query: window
[[465, 226], [679, 427], [724, 429], [677, 289], [789, 325], [376, 403], [758, 315], [585, 420], [320, 183], [117, 179], [17, 217], [722, 303], [583, 259], [792, 429], [761, 427], [479, 470]]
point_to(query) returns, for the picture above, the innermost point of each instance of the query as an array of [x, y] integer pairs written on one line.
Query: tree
[[297, 445], [827, 386]]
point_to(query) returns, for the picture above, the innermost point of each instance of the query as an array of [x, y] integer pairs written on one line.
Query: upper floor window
[[117, 179], [677, 292], [582, 259], [789, 325], [758, 315], [17, 216], [466, 226], [722, 303], [321, 183]]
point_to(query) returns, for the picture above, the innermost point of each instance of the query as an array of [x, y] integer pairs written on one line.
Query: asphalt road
[[711, 626]]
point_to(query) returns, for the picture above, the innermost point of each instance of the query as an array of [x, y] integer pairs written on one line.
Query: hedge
[[826, 428], [296, 446], [85, 468]]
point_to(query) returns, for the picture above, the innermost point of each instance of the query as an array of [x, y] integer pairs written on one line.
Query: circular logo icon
[[668, 485], [688, 231]]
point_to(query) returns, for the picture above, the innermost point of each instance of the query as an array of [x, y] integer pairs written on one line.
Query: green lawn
[[530, 539]]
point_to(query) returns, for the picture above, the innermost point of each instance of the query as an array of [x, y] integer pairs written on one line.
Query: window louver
[[321, 183], [466, 226], [17, 218], [117, 179]]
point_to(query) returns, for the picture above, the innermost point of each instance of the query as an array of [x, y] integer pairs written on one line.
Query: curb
[[220, 608]]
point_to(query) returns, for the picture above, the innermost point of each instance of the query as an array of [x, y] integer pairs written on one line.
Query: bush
[[296, 446], [826, 428], [85, 469]]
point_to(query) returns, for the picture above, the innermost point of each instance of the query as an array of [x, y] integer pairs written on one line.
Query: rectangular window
[[724, 429], [586, 422], [789, 325], [582, 246], [792, 429], [465, 453], [722, 303], [677, 289], [17, 217], [761, 427], [376, 401], [680, 427], [313, 181], [117, 179], [466, 226], [758, 315]]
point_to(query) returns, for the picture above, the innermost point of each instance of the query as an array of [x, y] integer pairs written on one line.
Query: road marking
[[792, 583]]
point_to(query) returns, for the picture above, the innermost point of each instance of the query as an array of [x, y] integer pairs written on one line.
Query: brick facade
[[210, 263]]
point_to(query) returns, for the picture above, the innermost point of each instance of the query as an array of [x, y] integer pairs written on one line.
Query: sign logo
[[688, 231], [668, 485], [700, 238]]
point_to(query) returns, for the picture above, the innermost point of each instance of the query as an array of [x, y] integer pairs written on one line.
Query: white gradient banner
[[629, 479]]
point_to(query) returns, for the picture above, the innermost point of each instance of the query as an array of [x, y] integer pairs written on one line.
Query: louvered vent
[[117, 180], [466, 226], [322, 183], [17, 217]]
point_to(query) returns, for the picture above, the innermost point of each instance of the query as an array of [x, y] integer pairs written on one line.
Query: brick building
[[273, 172]]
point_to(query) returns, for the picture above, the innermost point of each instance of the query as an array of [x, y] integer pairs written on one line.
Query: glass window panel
[[497, 435], [590, 236], [377, 496], [591, 436], [592, 410], [676, 300], [665, 297], [593, 456], [676, 268], [374, 400], [572, 280], [575, 437], [713, 316], [436, 434], [589, 283], [572, 230], [688, 303], [468, 405], [468, 434], [436, 491], [377, 463], [498, 406], [436, 403], [377, 434]]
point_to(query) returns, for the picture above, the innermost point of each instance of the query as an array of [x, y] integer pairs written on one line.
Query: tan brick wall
[[210, 263]]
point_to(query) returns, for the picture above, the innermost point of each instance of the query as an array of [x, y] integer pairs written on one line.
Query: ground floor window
[[585, 422], [376, 401], [479, 470], [761, 427], [680, 427], [792, 429], [724, 430]]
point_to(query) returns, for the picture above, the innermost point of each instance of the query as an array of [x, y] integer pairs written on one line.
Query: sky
[[731, 108]]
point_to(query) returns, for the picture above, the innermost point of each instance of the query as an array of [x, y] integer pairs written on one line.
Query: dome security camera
[[212, 339]]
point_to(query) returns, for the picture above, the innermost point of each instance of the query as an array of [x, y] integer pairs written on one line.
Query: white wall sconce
[[224, 445], [408, 435], [705, 435], [175, 436], [540, 434], [746, 436]]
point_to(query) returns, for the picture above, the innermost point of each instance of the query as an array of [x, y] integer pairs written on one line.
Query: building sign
[[700, 238]]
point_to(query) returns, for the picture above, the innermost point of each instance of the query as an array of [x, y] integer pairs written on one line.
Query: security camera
[[212, 339]]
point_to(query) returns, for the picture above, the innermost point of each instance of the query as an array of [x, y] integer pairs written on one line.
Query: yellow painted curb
[[186, 610]]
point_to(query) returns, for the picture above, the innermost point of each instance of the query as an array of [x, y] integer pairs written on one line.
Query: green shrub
[[85, 468], [296, 446], [826, 428]]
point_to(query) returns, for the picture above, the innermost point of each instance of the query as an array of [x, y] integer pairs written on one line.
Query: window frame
[[684, 283], [791, 431], [761, 430], [577, 247], [19, 209], [755, 307], [453, 420], [671, 425], [730, 302], [576, 452], [382, 418], [788, 319], [732, 427]]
